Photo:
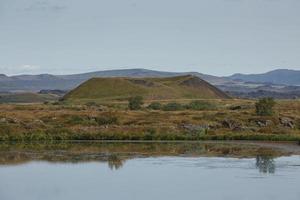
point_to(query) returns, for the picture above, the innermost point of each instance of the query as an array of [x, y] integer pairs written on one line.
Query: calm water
[[148, 171]]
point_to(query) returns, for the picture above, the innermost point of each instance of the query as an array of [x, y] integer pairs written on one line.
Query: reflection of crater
[[116, 154]]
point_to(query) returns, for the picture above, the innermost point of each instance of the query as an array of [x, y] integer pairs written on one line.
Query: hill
[[27, 97], [279, 76], [35, 83], [275, 83], [121, 88]]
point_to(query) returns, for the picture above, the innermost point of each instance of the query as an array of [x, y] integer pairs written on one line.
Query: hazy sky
[[217, 37]]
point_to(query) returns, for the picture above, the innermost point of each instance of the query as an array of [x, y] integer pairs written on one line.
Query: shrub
[[135, 103], [200, 105], [76, 119], [91, 103], [264, 107], [56, 103], [80, 120], [106, 120], [150, 134], [173, 106], [155, 106]]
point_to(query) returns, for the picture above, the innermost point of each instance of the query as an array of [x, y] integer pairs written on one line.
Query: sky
[[218, 37]]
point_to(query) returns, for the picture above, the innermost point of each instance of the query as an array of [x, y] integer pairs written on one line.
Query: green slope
[[27, 98], [180, 87]]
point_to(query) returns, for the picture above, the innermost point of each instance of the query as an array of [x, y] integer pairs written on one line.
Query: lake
[[148, 171]]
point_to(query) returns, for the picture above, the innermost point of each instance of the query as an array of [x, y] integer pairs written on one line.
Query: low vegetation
[[135, 103], [201, 105], [173, 106], [264, 107], [155, 106], [158, 120]]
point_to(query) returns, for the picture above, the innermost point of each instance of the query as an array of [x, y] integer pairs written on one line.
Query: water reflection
[[265, 164], [116, 154], [115, 162]]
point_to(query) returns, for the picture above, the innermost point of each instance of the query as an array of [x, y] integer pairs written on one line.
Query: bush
[[200, 105], [155, 106], [135, 103], [173, 106], [264, 107], [76, 119], [91, 103], [106, 120]]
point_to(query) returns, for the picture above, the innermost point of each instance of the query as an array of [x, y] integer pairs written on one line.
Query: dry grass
[[43, 122]]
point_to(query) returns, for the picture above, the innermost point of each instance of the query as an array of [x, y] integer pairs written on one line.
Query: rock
[[235, 108], [231, 124], [28, 125], [9, 120], [13, 120], [92, 118], [287, 122], [240, 107], [239, 128], [195, 127], [264, 123], [38, 121]]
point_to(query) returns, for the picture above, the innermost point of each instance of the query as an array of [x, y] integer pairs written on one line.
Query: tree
[[264, 107], [135, 103]]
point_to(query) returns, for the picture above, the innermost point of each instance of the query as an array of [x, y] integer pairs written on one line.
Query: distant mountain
[[238, 84], [27, 97], [34, 83], [280, 76], [139, 72], [116, 88]]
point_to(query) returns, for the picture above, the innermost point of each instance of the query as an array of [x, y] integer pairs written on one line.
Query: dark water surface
[[149, 171]]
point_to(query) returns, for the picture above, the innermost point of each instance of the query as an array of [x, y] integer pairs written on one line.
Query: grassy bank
[[212, 120], [63, 135]]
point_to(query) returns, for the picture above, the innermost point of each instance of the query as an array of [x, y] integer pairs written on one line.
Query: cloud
[[29, 67], [42, 5], [22, 69]]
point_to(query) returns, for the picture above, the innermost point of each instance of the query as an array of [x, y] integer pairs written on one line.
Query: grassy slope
[[181, 87], [27, 98]]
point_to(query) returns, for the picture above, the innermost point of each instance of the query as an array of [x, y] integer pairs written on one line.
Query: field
[[231, 119]]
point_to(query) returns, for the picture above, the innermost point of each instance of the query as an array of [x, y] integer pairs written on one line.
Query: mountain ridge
[[235, 84], [66, 82], [278, 76]]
